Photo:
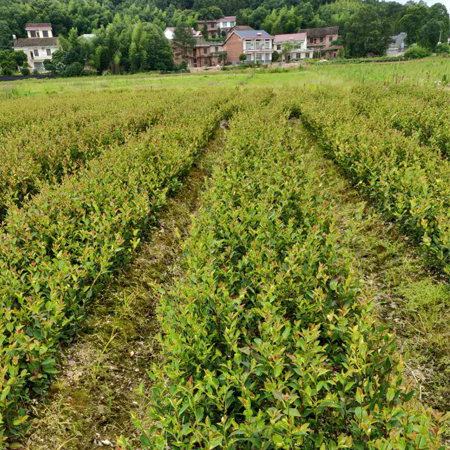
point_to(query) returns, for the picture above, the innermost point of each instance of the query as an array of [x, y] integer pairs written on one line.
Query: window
[[212, 24], [205, 50], [205, 62], [36, 52], [257, 45], [31, 54], [311, 40], [258, 57], [49, 52], [278, 46], [45, 33], [33, 33], [248, 45], [331, 38], [321, 40], [216, 49], [267, 44]]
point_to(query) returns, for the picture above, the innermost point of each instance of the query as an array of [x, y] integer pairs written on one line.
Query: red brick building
[[204, 54], [257, 45], [321, 41], [211, 27]]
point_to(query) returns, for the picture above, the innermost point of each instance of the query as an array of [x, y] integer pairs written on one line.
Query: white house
[[168, 33], [38, 46], [226, 23], [298, 48]]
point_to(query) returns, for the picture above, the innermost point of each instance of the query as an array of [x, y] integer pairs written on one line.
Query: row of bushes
[[407, 181], [55, 146], [60, 248], [423, 113], [266, 343]]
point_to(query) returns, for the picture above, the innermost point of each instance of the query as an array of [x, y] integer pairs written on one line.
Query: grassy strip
[[59, 249], [407, 181], [265, 340]]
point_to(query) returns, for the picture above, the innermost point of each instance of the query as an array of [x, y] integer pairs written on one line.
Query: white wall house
[[298, 47], [169, 31], [38, 46], [226, 23]]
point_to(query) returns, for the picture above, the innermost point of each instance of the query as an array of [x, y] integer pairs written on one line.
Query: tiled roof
[[251, 33], [290, 37], [227, 19], [320, 32], [38, 25], [36, 42]]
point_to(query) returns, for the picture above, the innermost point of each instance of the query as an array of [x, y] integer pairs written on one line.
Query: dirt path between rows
[[91, 402], [406, 293]]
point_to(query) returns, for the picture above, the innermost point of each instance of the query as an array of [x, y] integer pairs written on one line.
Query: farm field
[[237, 260]]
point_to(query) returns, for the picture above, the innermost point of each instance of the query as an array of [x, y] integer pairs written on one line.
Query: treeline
[[117, 48], [365, 27]]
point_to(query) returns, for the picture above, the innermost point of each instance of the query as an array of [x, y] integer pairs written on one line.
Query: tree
[[183, 40], [242, 57], [366, 33], [275, 56], [223, 58], [286, 50]]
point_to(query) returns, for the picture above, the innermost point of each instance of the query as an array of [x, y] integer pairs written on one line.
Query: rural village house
[[320, 40], [296, 44], [257, 45], [38, 46], [204, 54], [217, 28]]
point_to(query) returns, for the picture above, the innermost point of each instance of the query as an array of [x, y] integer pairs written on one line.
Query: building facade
[[292, 47], [257, 45], [38, 46], [204, 54], [321, 41], [225, 24], [398, 45]]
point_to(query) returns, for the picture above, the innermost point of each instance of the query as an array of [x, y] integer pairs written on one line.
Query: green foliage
[[416, 52], [443, 49], [266, 342], [65, 243], [275, 56], [183, 40], [242, 57]]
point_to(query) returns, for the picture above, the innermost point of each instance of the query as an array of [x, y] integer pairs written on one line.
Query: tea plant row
[[62, 246], [46, 150], [266, 342], [407, 180]]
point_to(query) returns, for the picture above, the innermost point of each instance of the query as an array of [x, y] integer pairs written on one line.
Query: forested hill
[[365, 26]]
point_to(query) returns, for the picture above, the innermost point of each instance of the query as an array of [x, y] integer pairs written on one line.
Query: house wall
[[326, 40], [37, 59], [39, 33], [234, 47]]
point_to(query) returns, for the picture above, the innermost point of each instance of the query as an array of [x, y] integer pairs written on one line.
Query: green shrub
[[416, 52], [75, 69]]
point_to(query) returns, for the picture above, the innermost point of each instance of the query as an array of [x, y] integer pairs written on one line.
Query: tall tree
[[183, 40]]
